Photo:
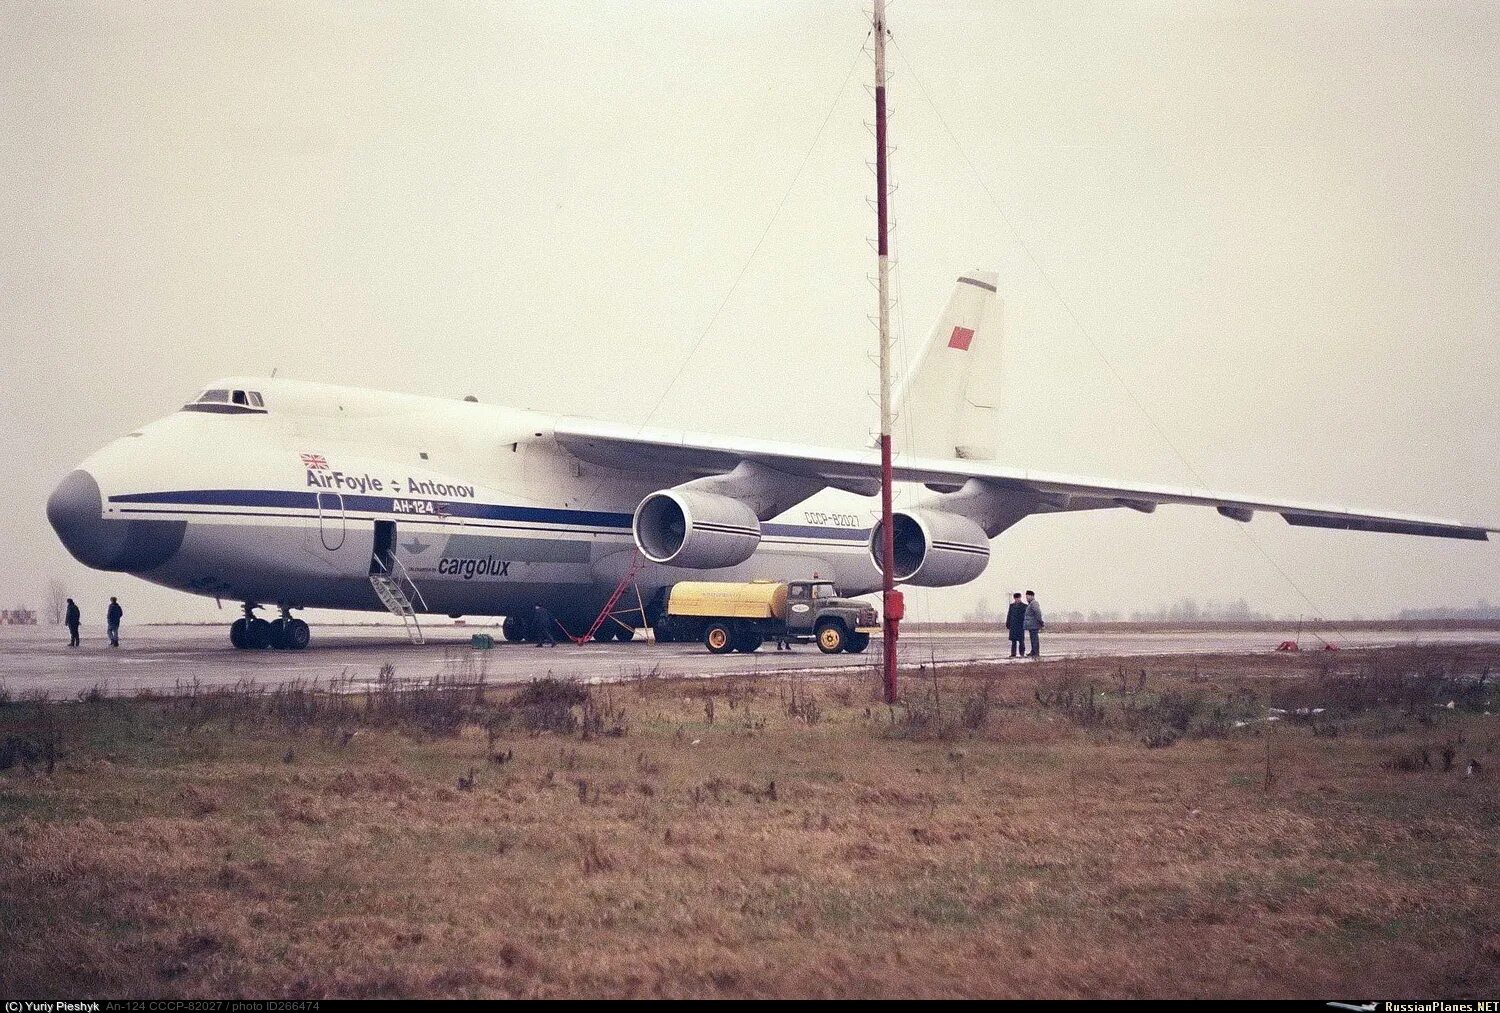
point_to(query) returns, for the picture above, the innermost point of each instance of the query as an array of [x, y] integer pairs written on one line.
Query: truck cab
[[805, 599], [814, 611]]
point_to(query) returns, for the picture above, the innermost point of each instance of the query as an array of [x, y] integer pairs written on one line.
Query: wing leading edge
[[673, 454]]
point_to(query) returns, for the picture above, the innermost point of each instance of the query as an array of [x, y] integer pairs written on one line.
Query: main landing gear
[[255, 634], [518, 630]]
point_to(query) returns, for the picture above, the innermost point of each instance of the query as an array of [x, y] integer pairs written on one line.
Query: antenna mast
[[891, 598]]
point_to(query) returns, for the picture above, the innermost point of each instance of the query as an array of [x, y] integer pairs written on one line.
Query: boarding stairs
[[608, 613], [396, 591]]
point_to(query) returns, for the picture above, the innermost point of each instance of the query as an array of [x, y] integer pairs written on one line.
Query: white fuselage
[[480, 505]]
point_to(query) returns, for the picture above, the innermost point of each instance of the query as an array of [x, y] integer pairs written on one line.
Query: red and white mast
[[891, 599]]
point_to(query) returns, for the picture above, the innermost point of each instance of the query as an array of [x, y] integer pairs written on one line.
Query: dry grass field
[[1069, 829]]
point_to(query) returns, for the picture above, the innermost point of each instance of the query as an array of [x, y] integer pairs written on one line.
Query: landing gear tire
[[250, 634], [624, 634], [663, 632], [857, 643], [295, 635], [831, 638], [748, 642], [516, 630], [278, 634], [257, 635], [606, 631], [718, 638]]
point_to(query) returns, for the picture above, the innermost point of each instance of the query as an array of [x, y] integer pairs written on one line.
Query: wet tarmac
[[164, 658]]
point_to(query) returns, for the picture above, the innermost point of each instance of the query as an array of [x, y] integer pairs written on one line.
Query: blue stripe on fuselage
[[273, 498]]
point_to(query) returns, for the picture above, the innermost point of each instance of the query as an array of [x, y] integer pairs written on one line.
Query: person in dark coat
[[112, 619], [1034, 624], [73, 619], [545, 624], [1015, 625]]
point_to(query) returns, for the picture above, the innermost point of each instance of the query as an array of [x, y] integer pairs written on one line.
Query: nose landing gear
[[283, 634]]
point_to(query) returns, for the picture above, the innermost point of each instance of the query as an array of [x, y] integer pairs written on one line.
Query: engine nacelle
[[934, 548], [699, 530]]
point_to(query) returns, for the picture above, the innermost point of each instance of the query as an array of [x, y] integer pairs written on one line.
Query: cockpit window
[[220, 401]]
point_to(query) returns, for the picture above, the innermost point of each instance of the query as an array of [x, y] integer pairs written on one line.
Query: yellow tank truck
[[742, 616]]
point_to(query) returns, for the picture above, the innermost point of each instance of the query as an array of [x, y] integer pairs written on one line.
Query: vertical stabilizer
[[948, 400]]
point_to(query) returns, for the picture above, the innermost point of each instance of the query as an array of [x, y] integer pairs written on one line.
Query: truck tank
[[726, 600]]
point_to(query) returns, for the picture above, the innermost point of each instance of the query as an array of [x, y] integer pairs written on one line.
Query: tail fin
[[948, 398]]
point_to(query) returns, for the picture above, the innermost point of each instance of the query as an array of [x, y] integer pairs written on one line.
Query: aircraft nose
[[76, 512]]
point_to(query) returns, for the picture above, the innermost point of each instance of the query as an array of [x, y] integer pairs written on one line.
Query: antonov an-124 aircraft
[[285, 495]]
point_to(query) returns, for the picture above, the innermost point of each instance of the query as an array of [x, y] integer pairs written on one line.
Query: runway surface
[[162, 658]]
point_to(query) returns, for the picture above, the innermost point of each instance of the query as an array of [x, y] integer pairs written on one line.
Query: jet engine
[[934, 548], [698, 530]]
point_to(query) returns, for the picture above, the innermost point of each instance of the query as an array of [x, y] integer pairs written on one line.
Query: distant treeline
[[1189, 610], [1479, 610]]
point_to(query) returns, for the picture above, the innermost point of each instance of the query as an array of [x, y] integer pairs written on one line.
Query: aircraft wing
[[672, 454]]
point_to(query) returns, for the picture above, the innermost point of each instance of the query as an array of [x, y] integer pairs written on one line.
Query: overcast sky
[[1280, 222]]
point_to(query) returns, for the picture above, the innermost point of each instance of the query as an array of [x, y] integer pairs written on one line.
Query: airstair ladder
[[388, 589]]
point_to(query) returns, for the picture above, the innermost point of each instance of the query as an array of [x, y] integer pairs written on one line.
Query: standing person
[[1015, 625], [543, 620], [1034, 623], [112, 619], [73, 619]]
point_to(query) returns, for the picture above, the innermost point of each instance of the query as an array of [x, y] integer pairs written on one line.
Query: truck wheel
[[718, 638], [831, 637], [749, 641], [857, 643]]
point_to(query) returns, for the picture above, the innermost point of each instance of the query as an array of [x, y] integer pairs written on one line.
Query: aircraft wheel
[[257, 635], [278, 634], [748, 642], [663, 631], [516, 630], [237, 633], [857, 643], [624, 634], [718, 638], [296, 635], [831, 637], [606, 631]]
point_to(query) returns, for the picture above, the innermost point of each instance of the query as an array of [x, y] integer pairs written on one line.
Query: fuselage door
[[383, 559], [331, 520]]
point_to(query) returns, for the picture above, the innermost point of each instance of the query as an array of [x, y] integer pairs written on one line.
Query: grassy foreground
[[1075, 829]]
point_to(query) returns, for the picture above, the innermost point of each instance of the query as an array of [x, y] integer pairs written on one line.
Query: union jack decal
[[314, 461]]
